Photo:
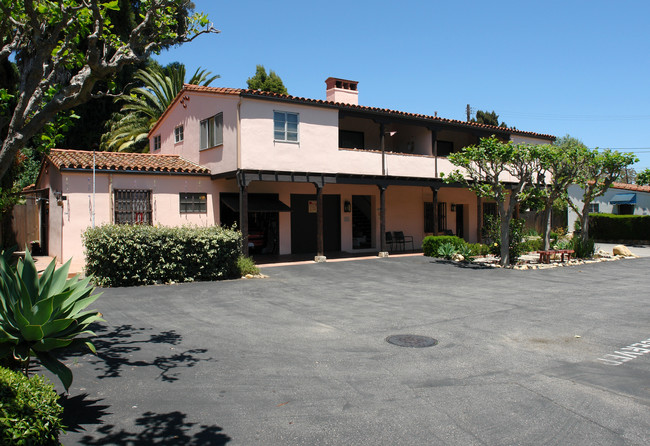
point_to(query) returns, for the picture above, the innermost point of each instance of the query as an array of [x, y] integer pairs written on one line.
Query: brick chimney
[[342, 90]]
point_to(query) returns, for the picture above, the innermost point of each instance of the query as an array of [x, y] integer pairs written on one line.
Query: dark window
[[445, 148], [428, 216], [351, 140], [594, 208], [625, 209], [133, 206], [193, 203]]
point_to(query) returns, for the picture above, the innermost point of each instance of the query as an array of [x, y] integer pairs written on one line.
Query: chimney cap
[[337, 82]]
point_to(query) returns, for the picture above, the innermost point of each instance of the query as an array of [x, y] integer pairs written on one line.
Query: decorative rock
[[457, 257], [602, 254], [320, 259], [622, 250]]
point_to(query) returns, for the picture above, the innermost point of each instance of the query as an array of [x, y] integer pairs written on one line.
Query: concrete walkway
[[301, 358]]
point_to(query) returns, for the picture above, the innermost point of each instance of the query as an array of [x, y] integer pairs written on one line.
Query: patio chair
[[402, 240], [389, 241]]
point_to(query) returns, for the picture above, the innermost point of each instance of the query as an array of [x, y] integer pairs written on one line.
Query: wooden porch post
[[434, 189], [243, 212], [320, 251], [479, 218], [382, 220]]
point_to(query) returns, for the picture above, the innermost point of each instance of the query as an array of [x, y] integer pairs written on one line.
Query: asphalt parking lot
[[301, 358]]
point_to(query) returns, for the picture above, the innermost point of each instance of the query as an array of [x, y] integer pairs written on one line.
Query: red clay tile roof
[[632, 187], [118, 161], [340, 105]]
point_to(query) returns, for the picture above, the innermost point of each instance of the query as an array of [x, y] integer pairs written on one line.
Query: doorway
[[460, 219], [303, 223], [362, 221]]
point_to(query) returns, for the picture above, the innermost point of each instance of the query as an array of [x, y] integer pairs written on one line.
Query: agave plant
[[42, 316], [446, 251]]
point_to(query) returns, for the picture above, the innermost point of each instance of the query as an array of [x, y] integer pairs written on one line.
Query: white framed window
[[212, 131], [594, 208], [178, 134], [285, 126], [156, 142]]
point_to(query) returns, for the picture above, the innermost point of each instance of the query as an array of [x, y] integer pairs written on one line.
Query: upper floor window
[[212, 131], [156, 142], [285, 126], [178, 134]]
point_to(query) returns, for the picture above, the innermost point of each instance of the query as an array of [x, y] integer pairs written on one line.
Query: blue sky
[[559, 67]]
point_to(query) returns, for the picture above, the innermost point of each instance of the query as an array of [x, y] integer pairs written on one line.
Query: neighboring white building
[[620, 199]]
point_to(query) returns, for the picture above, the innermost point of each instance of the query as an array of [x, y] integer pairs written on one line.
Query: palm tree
[[145, 105]]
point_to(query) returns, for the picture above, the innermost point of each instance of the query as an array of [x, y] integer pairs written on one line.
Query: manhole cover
[[412, 341]]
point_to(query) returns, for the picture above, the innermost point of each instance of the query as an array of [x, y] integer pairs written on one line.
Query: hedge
[[29, 410], [431, 243], [619, 227], [125, 255]]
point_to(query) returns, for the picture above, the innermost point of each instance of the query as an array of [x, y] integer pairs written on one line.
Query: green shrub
[[619, 227], [40, 316], [29, 411], [446, 250], [479, 249], [563, 244], [582, 250], [432, 243], [532, 244], [125, 255], [246, 265]]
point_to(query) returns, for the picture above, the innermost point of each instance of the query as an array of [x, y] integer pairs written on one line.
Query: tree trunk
[[546, 220], [584, 236], [505, 234]]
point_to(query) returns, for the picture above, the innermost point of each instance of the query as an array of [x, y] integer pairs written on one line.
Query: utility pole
[[468, 112]]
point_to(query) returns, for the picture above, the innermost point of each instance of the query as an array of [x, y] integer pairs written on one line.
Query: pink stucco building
[[298, 175]]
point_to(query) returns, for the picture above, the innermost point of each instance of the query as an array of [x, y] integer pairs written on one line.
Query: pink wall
[[200, 106], [75, 214]]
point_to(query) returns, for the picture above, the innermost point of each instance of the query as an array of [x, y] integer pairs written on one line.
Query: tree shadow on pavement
[[159, 428], [116, 345]]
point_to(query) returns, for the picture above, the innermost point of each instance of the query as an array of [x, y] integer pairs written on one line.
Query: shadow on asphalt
[[464, 265], [116, 345], [80, 411], [170, 428]]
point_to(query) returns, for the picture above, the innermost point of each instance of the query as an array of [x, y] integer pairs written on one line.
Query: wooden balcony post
[[434, 189], [243, 217], [382, 220], [320, 250]]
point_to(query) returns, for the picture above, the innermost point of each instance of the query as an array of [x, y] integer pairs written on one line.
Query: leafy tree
[[643, 177], [563, 161], [598, 171], [489, 118], [264, 82], [145, 105], [67, 47], [487, 166]]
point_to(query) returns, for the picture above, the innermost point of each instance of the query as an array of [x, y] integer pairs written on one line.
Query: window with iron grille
[[193, 203], [132, 206], [428, 216]]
